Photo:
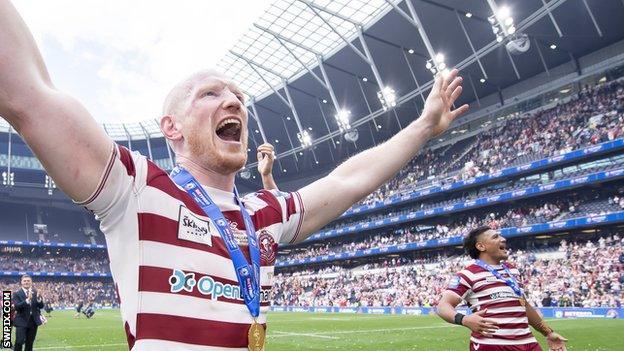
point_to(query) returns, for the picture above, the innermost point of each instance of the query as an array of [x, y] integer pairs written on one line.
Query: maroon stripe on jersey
[[125, 156], [296, 236], [465, 277], [505, 315], [156, 279], [291, 207], [153, 227], [129, 337], [160, 180], [262, 218], [269, 198], [509, 303], [191, 330], [502, 337]]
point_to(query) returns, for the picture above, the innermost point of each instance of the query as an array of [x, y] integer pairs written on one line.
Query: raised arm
[[72, 147], [329, 197], [266, 157]]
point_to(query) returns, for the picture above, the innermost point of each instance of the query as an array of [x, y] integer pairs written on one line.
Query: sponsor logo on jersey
[[207, 286], [503, 295], [193, 228]]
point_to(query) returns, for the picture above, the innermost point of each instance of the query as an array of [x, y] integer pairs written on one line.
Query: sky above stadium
[[120, 58]]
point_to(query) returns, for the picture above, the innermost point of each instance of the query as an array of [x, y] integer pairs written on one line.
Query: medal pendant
[[522, 301], [256, 336]]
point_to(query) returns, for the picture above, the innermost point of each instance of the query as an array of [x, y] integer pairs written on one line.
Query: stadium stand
[[64, 293], [581, 274], [593, 115]]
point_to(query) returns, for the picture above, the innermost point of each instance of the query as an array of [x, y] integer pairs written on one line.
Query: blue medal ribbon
[[248, 275], [511, 281]]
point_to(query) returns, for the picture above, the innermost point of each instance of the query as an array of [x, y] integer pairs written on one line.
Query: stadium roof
[[365, 46]]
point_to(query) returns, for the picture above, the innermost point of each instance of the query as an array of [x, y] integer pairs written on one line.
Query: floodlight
[[342, 118], [387, 97], [304, 138]]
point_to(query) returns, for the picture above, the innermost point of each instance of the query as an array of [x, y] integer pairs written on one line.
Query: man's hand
[[266, 157], [437, 113], [477, 323], [556, 342]]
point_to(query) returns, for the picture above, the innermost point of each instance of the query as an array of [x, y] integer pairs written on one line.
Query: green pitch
[[307, 331]]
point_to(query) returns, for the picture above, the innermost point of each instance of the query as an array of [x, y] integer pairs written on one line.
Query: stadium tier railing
[[54, 274], [531, 191], [51, 244], [525, 169], [573, 223], [548, 312]]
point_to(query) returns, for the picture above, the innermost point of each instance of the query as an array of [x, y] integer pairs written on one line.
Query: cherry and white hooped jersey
[[480, 289], [175, 279]]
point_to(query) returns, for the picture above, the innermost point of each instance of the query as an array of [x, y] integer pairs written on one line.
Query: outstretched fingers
[[459, 111], [437, 83], [449, 78], [456, 83]]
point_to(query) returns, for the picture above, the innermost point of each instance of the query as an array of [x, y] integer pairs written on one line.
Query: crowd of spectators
[[593, 115], [67, 293], [572, 205], [55, 261], [576, 274], [588, 275]]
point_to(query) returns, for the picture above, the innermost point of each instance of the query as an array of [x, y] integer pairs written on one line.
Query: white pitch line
[[281, 334], [327, 335], [79, 346], [389, 329]]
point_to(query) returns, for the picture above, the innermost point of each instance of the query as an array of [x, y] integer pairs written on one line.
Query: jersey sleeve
[[460, 285], [122, 178], [289, 207]]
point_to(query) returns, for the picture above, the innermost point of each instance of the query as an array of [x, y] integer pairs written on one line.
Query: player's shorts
[[522, 347]]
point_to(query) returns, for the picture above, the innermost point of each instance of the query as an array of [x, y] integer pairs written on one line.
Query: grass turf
[[308, 331]]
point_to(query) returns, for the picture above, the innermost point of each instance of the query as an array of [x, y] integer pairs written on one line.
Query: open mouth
[[229, 130]]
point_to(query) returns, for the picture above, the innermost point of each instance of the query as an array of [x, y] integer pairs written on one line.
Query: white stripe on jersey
[[477, 276], [503, 341], [508, 320], [487, 292], [511, 332], [506, 309], [164, 345], [162, 255], [156, 201], [195, 307]]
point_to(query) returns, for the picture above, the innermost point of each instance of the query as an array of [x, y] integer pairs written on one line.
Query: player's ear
[[171, 127], [480, 246]]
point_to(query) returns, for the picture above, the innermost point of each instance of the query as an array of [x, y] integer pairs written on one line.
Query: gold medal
[[522, 301], [256, 336]]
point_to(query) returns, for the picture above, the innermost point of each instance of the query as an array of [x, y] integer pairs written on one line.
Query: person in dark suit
[[27, 318]]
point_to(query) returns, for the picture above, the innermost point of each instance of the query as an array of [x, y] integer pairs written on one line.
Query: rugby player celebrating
[[501, 316], [192, 260]]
